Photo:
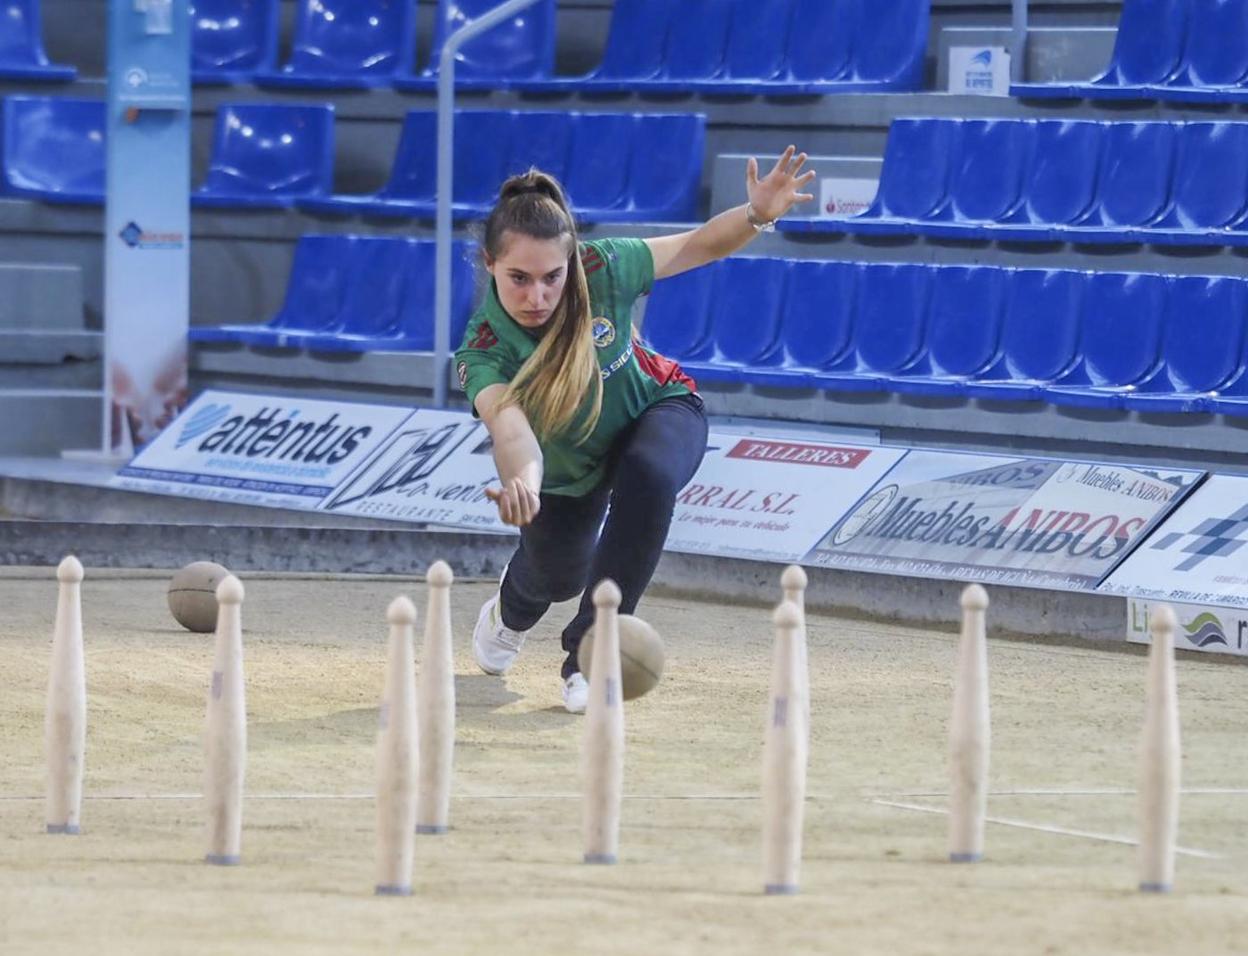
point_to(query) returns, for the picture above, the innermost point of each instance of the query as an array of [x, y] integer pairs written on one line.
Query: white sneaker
[[494, 644], [575, 694]]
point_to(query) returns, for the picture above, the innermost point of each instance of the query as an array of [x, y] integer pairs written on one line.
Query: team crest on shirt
[[604, 332]]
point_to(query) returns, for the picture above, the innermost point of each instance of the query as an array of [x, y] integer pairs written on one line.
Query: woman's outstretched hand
[[777, 192], [517, 503]]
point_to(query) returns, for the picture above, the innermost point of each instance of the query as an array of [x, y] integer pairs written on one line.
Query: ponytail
[[552, 384]]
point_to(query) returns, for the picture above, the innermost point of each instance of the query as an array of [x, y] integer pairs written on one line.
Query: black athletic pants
[[561, 552]]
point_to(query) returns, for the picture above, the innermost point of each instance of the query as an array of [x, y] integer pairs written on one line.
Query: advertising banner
[[769, 498], [433, 468], [147, 218], [979, 70], [1215, 630], [842, 196], [1198, 555], [279, 451], [1030, 522]]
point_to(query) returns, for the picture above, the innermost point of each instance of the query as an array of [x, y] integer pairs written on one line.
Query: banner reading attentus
[[1023, 521], [147, 217]]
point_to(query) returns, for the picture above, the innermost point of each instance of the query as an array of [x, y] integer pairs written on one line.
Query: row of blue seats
[[337, 43], [709, 46], [617, 167], [359, 294], [364, 43], [1193, 51], [1077, 181], [1148, 343], [745, 47]]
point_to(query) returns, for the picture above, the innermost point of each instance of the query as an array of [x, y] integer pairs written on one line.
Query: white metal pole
[[442, 229]]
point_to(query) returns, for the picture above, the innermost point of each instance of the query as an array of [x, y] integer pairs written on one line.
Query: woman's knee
[[645, 472]]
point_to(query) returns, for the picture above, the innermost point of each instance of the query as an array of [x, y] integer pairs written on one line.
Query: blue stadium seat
[[269, 156], [1203, 349], [22, 56], [914, 180], [53, 148], [817, 326], [1215, 56], [820, 46], [1148, 51], [314, 296], [1209, 194], [412, 186], [889, 319], [541, 139], [665, 171], [348, 44], [962, 331], [624, 58], [389, 299], [755, 51], [1120, 340], [1133, 185], [746, 333], [889, 47], [987, 179], [519, 49], [1061, 180], [598, 177], [232, 40], [677, 319], [1039, 335]]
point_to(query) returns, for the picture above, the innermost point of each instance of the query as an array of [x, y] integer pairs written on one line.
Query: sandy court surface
[[507, 879]]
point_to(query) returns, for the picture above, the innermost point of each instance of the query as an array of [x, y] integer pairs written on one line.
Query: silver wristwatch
[[758, 224]]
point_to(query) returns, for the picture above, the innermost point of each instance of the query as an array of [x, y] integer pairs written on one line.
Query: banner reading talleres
[[1023, 521]]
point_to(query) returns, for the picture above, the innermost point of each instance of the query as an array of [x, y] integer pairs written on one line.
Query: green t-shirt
[[634, 378]]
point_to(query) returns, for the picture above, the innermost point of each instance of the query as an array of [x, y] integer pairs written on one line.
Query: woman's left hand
[[777, 192]]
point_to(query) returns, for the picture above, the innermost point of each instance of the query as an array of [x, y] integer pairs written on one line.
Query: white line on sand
[[1103, 792], [1049, 828]]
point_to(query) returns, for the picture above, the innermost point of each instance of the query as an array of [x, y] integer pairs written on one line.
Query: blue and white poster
[[1031, 522], [1199, 556]]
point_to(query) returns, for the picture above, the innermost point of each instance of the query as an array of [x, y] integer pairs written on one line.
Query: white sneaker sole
[[482, 621]]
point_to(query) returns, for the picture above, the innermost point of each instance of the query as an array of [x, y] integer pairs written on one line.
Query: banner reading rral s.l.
[[1022, 521], [279, 451], [769, 497]]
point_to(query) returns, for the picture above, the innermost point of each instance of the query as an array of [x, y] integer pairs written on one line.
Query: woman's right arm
[[517, 456]]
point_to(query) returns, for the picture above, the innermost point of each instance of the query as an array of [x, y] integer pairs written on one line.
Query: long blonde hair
[[552, 384]]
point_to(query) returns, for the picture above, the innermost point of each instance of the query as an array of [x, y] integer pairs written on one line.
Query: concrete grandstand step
[[403, 551], [38, 347]]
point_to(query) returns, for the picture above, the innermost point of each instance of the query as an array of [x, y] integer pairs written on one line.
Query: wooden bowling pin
[[784, 756], [969, 734], [65, 720], [226, 742], [437, 706], [602, 752], [1159, 759], [793, 583], [397, 757]]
